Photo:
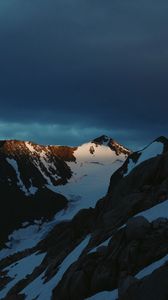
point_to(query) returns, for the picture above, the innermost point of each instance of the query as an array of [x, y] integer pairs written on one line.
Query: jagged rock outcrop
[[152, 287], [137, 228]]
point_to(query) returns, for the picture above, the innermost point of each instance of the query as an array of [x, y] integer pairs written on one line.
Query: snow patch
[[32, 189], [42, 291], [157, 211], [19, 270], [28, 191], [48, 166], [26, 238], [14, 164], [151, 268], [105, 243]]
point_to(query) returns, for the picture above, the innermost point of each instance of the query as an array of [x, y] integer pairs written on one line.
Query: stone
[[137, 228], [159, 222]]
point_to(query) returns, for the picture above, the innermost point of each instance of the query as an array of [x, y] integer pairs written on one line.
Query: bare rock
[[124, 284], [137, 228]]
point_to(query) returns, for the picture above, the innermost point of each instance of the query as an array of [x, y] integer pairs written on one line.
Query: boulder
[[159, 222], [83, 220], [104, 277], [137, 228], [152, 287]]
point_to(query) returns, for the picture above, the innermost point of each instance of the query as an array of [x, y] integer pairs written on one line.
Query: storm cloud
[[72, 69]]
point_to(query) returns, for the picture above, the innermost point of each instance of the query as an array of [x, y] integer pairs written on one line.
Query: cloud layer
[[90, 66]]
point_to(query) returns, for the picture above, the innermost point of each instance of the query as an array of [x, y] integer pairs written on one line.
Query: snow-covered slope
[[88, 169], [17, 271], [43, 290], [135, 159], [91, 171]]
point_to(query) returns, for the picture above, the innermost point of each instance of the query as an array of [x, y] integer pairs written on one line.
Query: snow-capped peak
[[112, 144]]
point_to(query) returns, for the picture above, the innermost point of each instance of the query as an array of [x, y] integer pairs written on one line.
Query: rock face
[[121, 243]]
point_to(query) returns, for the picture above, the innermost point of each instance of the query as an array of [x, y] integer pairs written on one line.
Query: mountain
[[38, 181], [29, 166], [116, 248]]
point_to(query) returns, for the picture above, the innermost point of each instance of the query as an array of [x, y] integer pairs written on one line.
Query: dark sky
[[71, 70]]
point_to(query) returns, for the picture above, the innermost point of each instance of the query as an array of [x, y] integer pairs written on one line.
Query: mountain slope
[[38, 181], [25, 170], [30, 166], [103, 252]]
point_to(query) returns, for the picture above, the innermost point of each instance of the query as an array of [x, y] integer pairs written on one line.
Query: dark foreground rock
[[152, 287]]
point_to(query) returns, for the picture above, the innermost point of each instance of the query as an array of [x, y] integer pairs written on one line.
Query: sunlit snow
[[91, 177], [30, 147]]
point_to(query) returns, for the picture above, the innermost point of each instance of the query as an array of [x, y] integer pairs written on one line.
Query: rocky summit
[[84, 223]]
